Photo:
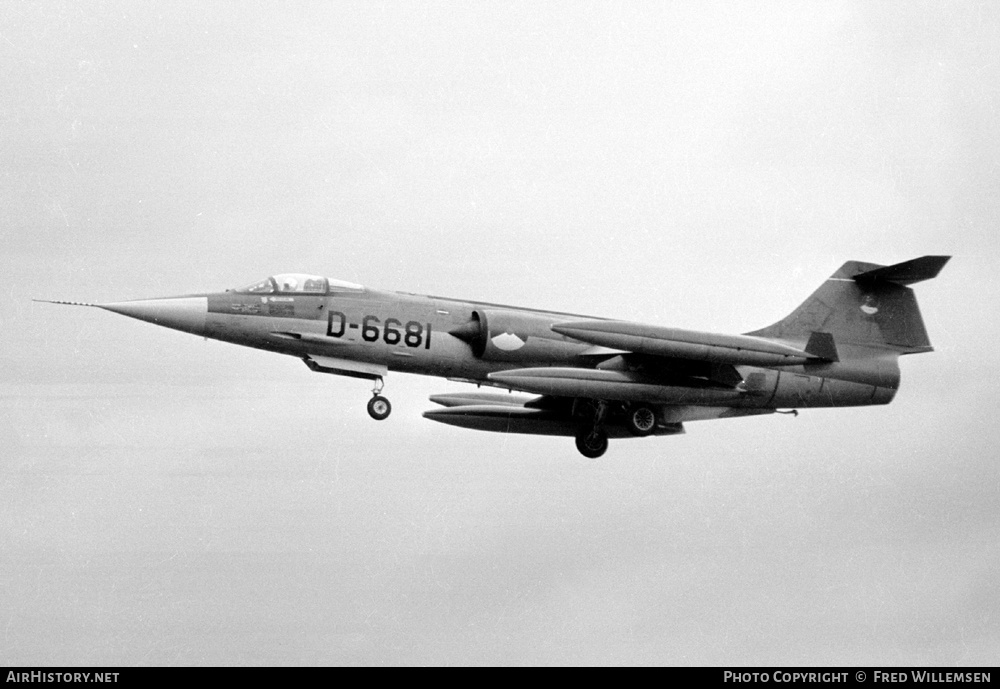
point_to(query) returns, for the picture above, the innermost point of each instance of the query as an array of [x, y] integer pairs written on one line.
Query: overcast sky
[[166, 500]]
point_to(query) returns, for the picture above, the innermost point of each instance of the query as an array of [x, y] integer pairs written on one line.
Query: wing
[[645, 363], [682, 374], [675, 343]]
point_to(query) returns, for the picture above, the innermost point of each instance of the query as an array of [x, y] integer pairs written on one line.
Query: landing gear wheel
[[592, 442], [379, 408], [641, 421]]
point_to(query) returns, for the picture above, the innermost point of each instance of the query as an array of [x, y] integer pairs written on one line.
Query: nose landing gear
[[378, 406]]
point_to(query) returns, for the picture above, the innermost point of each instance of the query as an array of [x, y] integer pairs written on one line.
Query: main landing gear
[[378, 406], [641, 421], [591, 440]]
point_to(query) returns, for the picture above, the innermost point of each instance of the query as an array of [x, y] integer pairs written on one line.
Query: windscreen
[[265, 286]]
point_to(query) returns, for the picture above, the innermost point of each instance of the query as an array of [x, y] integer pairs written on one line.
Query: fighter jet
[[571, 375]]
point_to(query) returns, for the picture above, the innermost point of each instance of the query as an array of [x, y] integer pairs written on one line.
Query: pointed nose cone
[[180, 313]]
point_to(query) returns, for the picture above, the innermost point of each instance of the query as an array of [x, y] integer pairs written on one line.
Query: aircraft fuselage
[[592, 378], [412, 334]]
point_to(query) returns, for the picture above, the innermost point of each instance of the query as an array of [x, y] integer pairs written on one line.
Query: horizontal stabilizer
[[907, 272]]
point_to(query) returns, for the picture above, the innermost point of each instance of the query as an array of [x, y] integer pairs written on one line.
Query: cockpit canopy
[[299, 283]]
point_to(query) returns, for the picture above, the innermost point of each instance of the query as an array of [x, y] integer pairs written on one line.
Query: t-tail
[[862, 306], [860, 321]]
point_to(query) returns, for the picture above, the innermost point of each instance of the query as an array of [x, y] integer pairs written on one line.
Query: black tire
[[592, 442], [641, 421], [379, 408]]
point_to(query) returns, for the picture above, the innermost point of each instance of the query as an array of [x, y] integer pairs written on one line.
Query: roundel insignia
[[507, 342], [869, 305]]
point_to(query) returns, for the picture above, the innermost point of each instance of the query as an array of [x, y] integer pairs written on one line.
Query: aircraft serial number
[[412, 333]]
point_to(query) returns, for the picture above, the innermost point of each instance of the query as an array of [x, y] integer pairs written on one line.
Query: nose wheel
[[378, 406]]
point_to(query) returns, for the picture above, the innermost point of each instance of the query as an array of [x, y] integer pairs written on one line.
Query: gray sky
[[165, 500]]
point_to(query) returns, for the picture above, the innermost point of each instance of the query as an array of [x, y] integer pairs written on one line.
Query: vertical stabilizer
[[863, 304]]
